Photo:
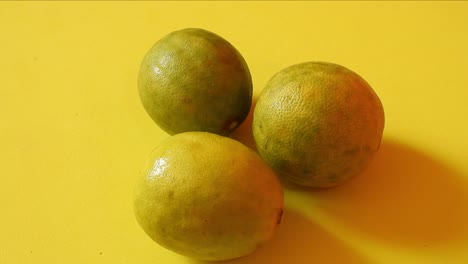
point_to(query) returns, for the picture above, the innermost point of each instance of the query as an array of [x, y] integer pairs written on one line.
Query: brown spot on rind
[[350, 152], [280, 216], [231, 124], [170, 195]]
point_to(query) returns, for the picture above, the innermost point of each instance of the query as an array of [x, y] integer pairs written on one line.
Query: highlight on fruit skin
[[195, 80], [208, 197], [318, 124]]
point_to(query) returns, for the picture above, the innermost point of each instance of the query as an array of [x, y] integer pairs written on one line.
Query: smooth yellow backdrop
[[74, 135]]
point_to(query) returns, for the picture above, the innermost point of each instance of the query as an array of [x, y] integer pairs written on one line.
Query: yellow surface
[[74, 134]]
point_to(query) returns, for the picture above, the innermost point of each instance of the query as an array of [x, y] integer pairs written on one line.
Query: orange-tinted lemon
[[318, 124]]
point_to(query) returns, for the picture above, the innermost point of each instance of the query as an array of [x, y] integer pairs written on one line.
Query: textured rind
[[318, 124], [208, 197], [194, 80]]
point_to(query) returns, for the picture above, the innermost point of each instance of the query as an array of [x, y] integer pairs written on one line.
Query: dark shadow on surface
[[404, 197], [243, 133], [299, 241]]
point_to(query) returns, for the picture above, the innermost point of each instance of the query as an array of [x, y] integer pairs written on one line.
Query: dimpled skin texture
[[208, 197], [318, 124], [194, 80]]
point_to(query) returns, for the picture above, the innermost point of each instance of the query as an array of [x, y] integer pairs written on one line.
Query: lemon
[[318, 124], [194, 80], [208, 197]]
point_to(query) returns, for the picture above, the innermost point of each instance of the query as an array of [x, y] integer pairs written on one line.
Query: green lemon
[[194, 80]]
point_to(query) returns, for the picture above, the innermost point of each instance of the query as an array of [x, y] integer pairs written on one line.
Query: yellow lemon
[[208, 197]]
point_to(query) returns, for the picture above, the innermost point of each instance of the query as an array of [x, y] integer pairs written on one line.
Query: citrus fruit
[[318, 124], [194, 80], [208, 197]]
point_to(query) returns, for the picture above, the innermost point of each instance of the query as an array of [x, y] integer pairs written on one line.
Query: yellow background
[[74, 135]]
